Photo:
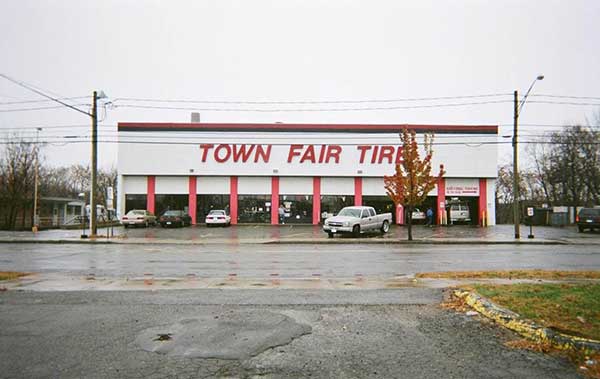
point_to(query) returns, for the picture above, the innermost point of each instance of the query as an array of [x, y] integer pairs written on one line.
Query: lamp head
[[540, 77]]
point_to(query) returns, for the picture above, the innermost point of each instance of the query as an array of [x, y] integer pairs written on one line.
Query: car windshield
[[172, 213], [136, 213], [351, 212], [216, 213], [585, 212]]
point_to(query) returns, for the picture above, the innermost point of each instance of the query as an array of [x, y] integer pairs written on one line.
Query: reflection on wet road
[[287, 261]]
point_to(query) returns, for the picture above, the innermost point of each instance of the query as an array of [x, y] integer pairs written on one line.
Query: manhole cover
[[238, 335]]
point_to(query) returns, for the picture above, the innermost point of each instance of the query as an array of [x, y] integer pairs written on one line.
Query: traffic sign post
[[530, 215]]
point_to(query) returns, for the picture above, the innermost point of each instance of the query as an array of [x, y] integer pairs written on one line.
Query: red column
[[357, 191], [274, 200], [192, 199], [441, 198], [233, 199], [400, 214], [483, 202], [150, 194], [316, 200]]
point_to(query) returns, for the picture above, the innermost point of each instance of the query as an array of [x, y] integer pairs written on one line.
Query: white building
[[312, 170]]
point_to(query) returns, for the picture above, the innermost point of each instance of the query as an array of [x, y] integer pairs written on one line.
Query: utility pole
[[516, 196], [36, 219], [94, 168]]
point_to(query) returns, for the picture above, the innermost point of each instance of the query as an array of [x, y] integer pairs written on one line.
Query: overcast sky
[[295, 51]]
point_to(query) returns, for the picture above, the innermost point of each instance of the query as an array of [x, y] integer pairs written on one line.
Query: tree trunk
[[410, 210]]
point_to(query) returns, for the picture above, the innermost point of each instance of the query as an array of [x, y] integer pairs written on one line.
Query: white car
[[418, 215], [218, 217], [138, 217]]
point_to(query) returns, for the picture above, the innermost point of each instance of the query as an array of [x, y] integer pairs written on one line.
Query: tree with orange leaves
[[412, 180]]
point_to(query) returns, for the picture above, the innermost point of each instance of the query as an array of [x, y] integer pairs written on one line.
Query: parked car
[[588, 218], [138, 217], [175, 218], [460, 213], [357, 220], [218, 217], [418, 216]]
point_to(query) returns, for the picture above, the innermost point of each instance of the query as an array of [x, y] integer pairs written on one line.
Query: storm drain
[[238, 335]]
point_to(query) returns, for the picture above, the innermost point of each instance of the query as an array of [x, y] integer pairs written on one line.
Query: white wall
[[337, 186], [463, 155], [295, 185], [172, 185], [208, 185], [137, 185], [249, 185], [373, 187]]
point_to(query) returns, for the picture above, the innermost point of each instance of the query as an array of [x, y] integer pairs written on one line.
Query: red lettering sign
[[302, 154]]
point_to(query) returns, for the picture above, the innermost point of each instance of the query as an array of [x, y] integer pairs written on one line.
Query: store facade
[[296, 173]]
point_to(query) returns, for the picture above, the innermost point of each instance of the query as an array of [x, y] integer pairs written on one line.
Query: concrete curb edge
[[527, 329]]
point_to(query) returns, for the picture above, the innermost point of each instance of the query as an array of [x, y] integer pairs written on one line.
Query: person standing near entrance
[[429, 215], [281, 212]]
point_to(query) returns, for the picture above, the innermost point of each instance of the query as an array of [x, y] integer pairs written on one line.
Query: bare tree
[[16, 183]]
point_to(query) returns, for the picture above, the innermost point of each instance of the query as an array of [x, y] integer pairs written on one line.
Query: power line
[[32, 89], [469, 144], [299, 102], [39, 101], [41, 108], [310, 109]]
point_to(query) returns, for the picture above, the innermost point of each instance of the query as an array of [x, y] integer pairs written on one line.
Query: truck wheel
[[356, 230], [330, 235], [580, 229], [385, 227]]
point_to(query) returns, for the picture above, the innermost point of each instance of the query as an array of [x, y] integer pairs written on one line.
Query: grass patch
[[10, 275], [511, 274], [568, 308]]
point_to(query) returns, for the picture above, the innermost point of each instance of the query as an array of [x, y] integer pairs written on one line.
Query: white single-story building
[[309, 170]]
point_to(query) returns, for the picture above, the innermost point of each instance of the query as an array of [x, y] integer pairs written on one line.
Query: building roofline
[[322, 128]]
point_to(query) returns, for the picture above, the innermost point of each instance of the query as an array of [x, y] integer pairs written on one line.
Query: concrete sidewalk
[[309, 234]]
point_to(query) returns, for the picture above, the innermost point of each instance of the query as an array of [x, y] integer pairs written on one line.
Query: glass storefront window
[[254, 209], [332, 204], [206, 203], [171, 202], [135, 202], [382, 204], [297, 209]]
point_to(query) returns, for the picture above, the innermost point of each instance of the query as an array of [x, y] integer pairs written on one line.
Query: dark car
[[588, 218], [175, 218]]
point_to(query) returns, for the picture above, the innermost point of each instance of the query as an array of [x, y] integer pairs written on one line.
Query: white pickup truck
[[357, 220]]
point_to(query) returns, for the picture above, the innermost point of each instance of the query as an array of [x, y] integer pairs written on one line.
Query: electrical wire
[[32, 89], [16, 102], [299, 102], [309, 109]]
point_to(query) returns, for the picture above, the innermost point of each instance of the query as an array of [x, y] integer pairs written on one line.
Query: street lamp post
[[517, 110]]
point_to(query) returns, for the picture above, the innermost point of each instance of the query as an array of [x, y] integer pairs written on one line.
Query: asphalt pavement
[[256, 302], [255, 334]]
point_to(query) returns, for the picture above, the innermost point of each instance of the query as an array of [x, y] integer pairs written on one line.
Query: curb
[[528, 329]]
